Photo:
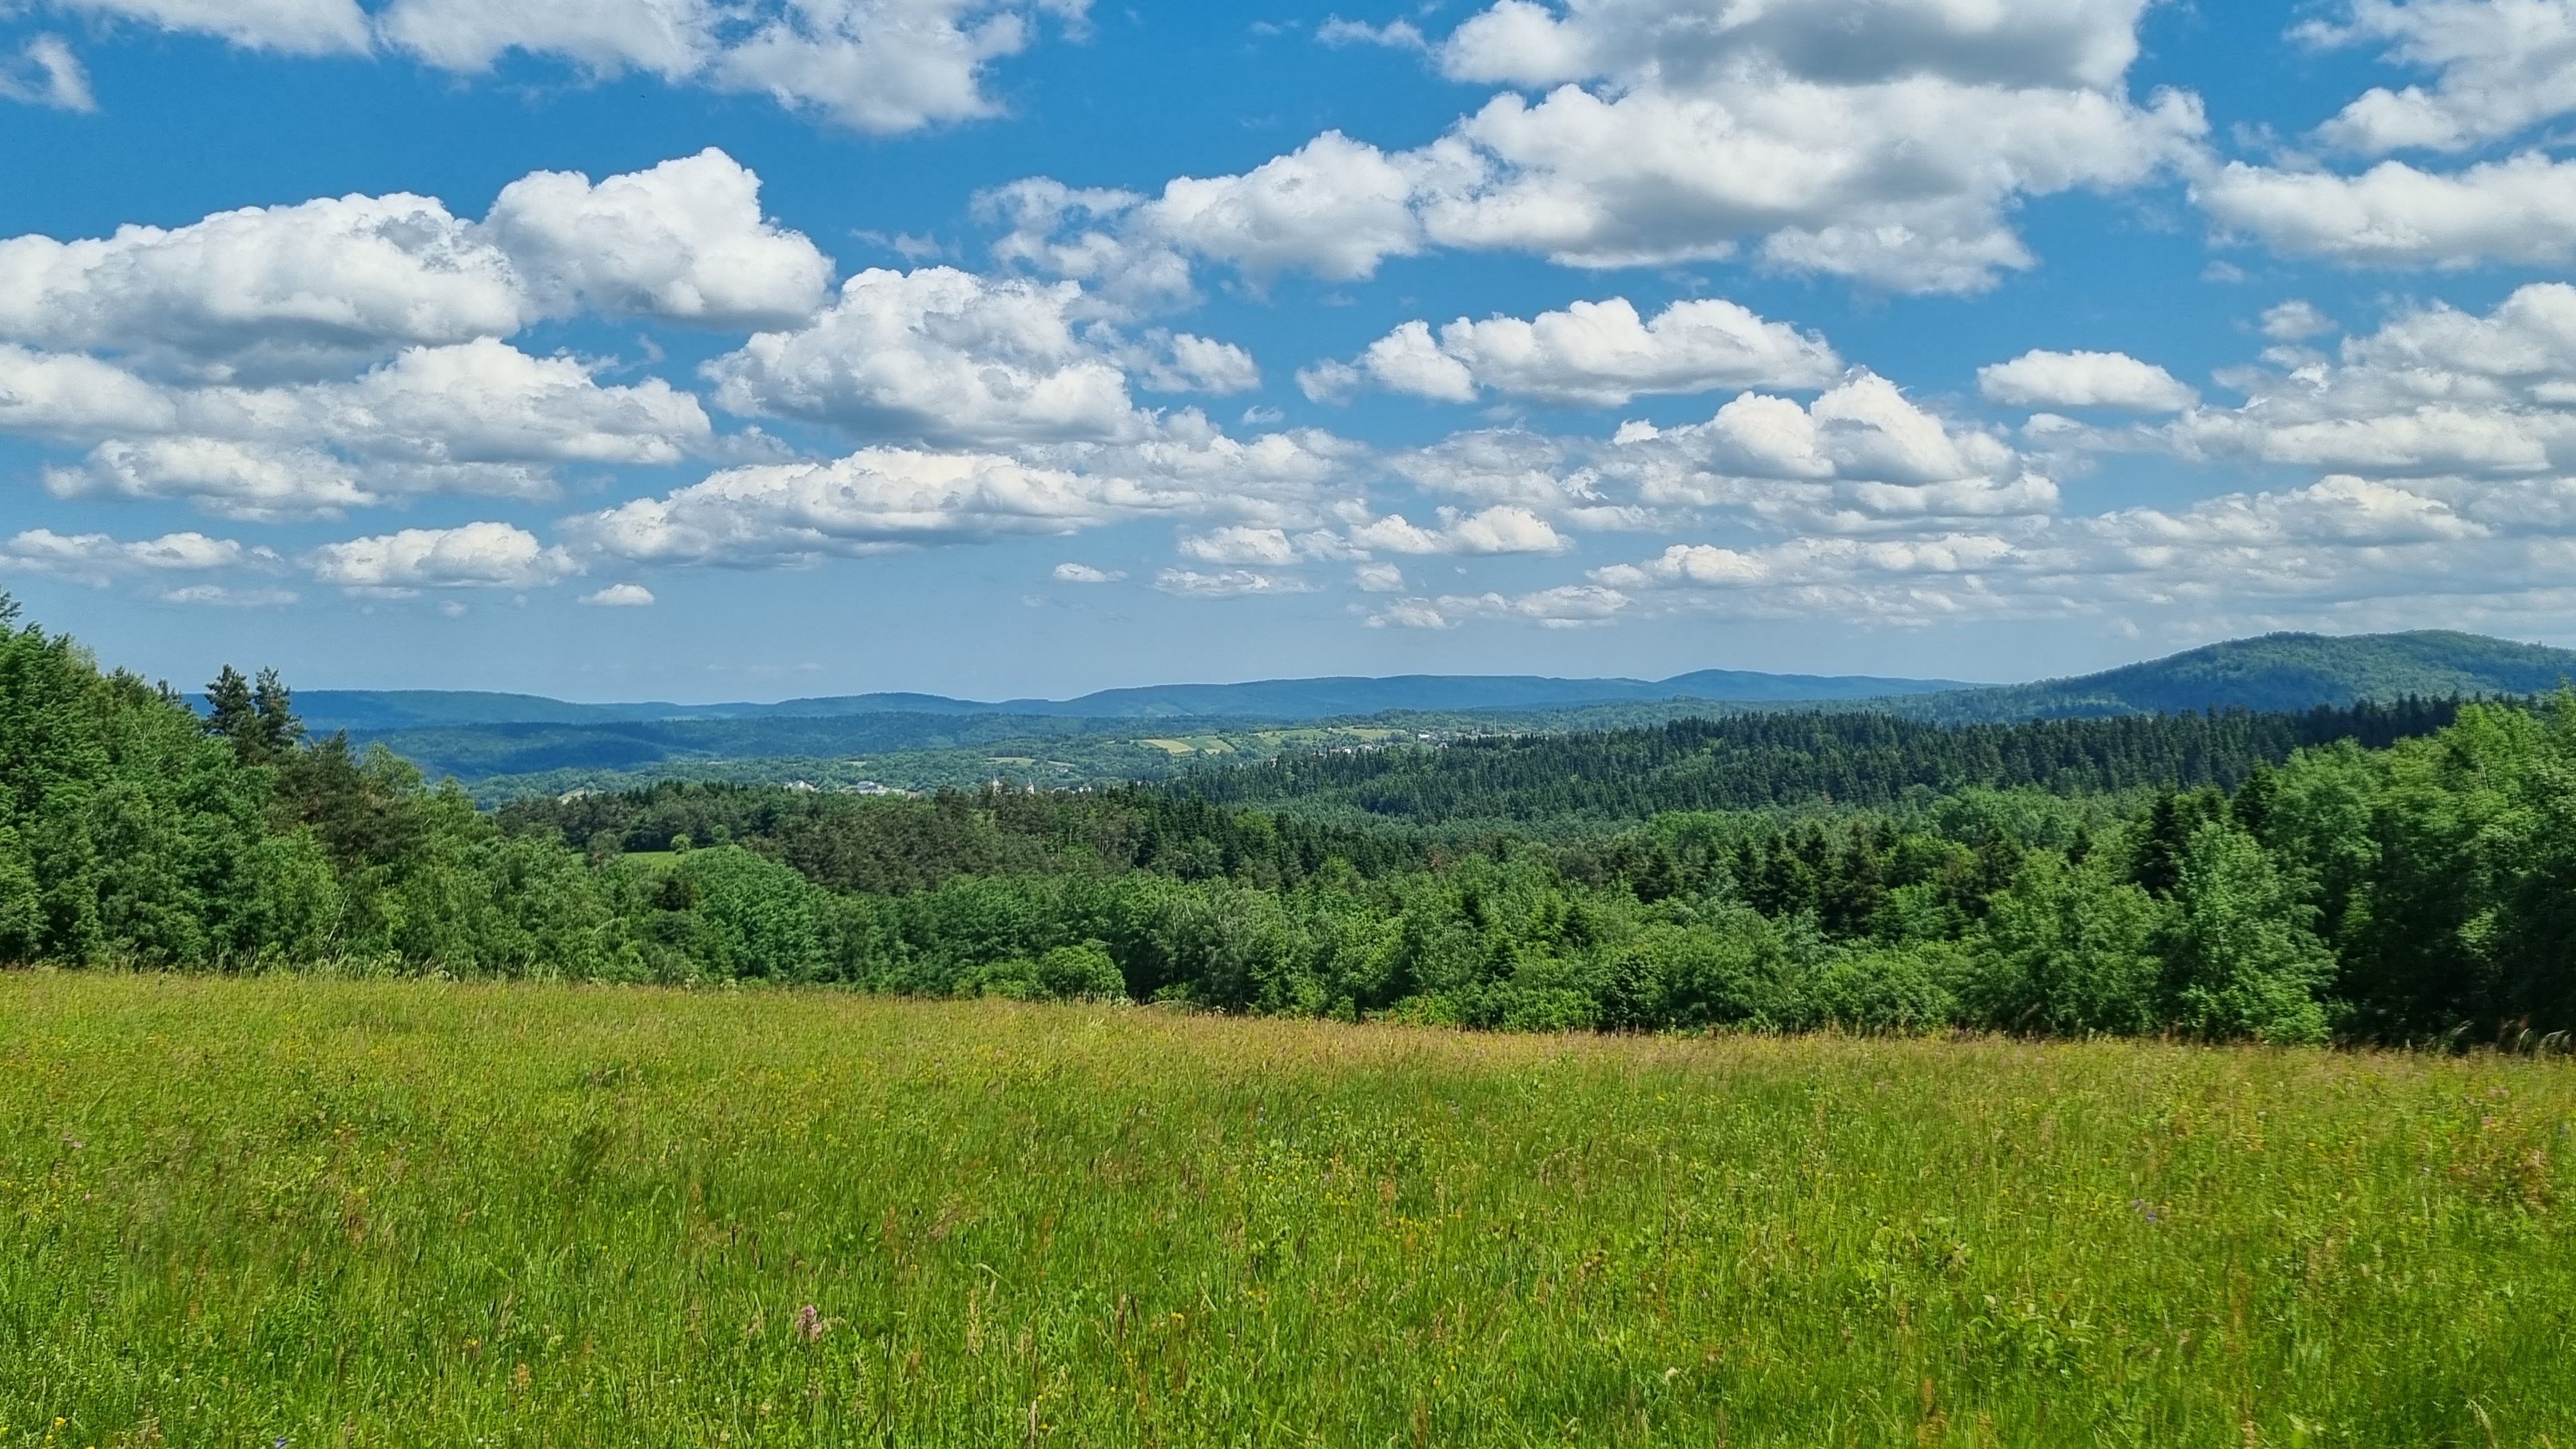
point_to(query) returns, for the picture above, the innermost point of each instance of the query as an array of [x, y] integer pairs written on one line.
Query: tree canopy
[[2404, 871]]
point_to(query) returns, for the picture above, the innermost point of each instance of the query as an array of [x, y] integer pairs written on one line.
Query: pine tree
[[279, 730], [232, 713]]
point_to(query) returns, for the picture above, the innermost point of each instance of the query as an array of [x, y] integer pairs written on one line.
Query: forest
[[2389, 873]]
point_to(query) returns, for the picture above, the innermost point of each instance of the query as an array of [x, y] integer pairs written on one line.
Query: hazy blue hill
[[476, 751], [378, 711], [1352, 696], [371, 711], [2273, 672], [1742, 687], [484, 736]]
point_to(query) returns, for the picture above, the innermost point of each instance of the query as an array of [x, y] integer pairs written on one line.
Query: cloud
[[1228, 584], [96, 558], [1571, 606], [879, 499], [2296, 321], [55, 395], [881, 66], [683, 241], [1900, 582], [481, 417], [1592, 354], [235, 480], [47, 74], [1394, 35], [1240, 544], [2435, 392], [672, 39], [2010, 42], [2439, 449], [2521, 209], [307, 289], [293, 27], [2442, 452], [2500, 67], [1334, 207], [945, 357], [1861, 457], [1079, 573], [219, 596], [1517, 466], [1378, 578], [2116, 380], [1888, 143], [1409, 614], [265, 289], [1806, 560], [620, 596], [1502, 529], [1179, 362], [477, 555]]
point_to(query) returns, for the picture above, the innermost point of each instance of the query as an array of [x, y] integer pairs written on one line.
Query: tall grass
[[406, 1213]]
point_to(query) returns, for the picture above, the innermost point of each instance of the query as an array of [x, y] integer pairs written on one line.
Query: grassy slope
[[376, 1214]]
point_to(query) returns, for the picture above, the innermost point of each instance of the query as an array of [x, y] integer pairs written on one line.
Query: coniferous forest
[[2382, 872]]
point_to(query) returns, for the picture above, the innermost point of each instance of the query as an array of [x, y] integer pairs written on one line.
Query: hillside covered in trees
[[505, 745], [1762, 761], [2273, 672], [2383, 874]]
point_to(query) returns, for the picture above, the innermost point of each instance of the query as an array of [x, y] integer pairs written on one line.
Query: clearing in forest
[[290, 1210]]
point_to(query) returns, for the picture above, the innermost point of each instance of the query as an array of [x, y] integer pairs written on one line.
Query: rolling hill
[[374, 711], [2271, 672], [520, 741]]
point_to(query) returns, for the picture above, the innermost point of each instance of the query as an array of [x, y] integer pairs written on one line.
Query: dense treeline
[[1754, 761], [2404, 892], [896, 844]]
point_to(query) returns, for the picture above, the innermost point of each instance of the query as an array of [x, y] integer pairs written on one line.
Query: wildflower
[[810, 1324]]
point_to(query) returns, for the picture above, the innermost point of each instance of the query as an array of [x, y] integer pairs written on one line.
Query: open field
[[377, 1213]]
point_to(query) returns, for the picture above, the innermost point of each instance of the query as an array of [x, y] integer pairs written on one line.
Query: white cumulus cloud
[[2296, 321], [1862, 456], [1883, 140], [2040, 379], [294, 27], [1502, 529], [946, 357], [874, 500], [481, 417], [2521, 209], [1568, 606], [476, 555], [1592, 354], [882, 66], [96, 558], [683, 241], [306, 289], [2499, 67], [1228, 583]]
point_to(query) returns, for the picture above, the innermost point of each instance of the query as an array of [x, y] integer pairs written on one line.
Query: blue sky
[[676, 349]]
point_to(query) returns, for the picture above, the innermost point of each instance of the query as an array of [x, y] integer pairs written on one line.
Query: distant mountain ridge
[[479, 736], [2284, 671], [377, 711]]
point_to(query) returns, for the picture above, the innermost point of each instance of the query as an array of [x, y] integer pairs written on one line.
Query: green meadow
[[271, 1210]]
